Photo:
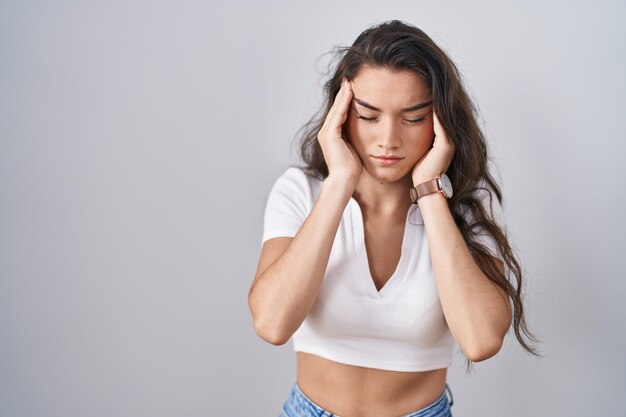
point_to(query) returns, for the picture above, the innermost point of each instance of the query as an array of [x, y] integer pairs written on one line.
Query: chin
[[387, 174]]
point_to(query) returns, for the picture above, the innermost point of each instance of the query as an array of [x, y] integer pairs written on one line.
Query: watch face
[[446, 185]]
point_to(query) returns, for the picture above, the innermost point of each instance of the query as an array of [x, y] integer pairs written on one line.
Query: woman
[[375, 260]]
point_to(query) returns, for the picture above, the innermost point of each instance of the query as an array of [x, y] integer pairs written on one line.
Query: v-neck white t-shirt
[[401, 327]]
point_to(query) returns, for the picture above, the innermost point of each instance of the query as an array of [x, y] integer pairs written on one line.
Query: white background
[[139, 141]]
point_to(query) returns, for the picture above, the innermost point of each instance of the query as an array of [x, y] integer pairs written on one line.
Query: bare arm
[[288, 279], [291, 271], [478, 312]]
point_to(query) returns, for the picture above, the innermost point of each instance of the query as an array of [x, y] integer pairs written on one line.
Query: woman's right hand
[[340, 156]]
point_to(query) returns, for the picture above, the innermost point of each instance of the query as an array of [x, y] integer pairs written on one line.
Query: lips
[[386, 160], [386, 157]]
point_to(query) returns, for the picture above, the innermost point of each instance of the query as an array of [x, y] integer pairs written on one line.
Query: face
[[390, 115]]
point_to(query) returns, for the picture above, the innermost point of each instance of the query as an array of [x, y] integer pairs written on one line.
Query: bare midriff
[[355, 391]]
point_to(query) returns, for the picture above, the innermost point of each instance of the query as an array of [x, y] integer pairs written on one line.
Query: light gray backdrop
[[139, 141]]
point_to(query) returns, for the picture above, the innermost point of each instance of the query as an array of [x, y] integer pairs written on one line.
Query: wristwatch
[[440, 184]]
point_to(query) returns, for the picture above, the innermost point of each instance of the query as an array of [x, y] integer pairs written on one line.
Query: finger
[[440, 133], [340, 112], [337, 98], [436, 124]]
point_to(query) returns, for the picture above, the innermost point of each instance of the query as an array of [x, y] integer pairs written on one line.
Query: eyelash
[[373, 119]]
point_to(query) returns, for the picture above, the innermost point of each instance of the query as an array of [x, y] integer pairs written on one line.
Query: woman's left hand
[[437, 159]]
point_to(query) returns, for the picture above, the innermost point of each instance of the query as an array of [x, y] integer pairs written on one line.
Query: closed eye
[[415, 120], [373, 119], [367, 119]]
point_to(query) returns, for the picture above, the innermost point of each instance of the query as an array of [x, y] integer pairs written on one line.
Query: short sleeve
[[288, 205], [489, 200]]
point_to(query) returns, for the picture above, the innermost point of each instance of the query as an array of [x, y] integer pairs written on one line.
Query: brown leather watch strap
[[425, 188]]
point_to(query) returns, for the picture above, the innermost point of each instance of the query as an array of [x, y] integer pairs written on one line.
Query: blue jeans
[[299, 405]]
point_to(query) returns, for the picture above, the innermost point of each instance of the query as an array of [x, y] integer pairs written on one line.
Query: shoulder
[[296, 173], [301, 173], [289, 202], [485, 195], [296, 180], [479, 211]]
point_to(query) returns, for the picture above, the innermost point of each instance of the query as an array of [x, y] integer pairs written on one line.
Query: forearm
[[285, 292], [477, 311]]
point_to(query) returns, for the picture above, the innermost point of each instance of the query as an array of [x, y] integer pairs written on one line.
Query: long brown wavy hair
[[401, 46]]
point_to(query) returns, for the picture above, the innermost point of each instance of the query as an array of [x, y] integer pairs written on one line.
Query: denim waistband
[[437, 408]]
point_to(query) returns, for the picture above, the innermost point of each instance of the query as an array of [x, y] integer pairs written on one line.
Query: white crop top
[[399, 328]]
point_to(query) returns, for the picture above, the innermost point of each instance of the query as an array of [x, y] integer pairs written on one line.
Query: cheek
[[422, 141], [428, 130], [356, 132]]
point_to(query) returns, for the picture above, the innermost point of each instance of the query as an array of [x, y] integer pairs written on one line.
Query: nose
[[389, 135]]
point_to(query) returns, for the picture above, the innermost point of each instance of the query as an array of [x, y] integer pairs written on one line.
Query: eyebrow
[[408, 109]]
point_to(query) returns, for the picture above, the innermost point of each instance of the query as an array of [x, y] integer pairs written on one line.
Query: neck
[[382, 197]]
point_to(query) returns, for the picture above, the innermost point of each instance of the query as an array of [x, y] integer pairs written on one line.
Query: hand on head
[[438, 157], [341, 158]]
